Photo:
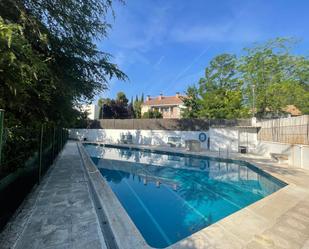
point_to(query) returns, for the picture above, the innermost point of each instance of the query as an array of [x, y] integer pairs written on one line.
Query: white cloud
[[239, 27], [216, 33], [198, 33], [125, 58], [158, 63], [135, 30]]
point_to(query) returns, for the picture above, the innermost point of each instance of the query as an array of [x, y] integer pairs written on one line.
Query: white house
[[93, 111]]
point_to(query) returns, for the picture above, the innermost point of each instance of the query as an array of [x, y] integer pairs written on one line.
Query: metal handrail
[[227, 152]]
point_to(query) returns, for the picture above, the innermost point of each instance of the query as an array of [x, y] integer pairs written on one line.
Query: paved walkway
[[63, 215]]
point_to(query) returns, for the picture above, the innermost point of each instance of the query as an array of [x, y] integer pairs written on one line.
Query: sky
[[163, 46]]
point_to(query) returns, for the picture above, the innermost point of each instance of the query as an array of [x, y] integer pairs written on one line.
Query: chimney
[[148, 98], [177, 94], [161, 96]]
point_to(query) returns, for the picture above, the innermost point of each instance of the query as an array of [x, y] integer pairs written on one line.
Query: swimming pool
[[170, 196]]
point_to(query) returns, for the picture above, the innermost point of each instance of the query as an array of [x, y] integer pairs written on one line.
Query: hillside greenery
[[261, 82]]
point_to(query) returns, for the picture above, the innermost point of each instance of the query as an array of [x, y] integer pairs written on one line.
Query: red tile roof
[[164, 100], [292, 109]]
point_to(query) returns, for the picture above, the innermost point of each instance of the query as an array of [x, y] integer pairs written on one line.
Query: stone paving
[[290, 231], [62, 215]]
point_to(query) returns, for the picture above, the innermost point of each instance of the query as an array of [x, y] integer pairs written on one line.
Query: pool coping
[[227, 232]]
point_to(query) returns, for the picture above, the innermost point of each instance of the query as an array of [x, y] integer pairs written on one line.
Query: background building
[[169, 106], [93, 111]]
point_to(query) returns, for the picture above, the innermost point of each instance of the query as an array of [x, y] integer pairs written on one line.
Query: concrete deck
[[60, 213]]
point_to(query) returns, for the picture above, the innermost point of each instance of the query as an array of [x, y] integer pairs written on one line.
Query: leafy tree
[[277, 77], [269, 72], [106, 107], [220, 89], [120, 107], [114, 108], [131, 109], [137, 106], [49, 61], [152, 114], [137, 109], [191, 103], [22, 72], [122, 99], [49, 64]]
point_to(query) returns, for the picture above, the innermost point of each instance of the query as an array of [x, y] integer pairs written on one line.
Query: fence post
[[308, 132], [40, 152], [54, 140], [63, 138], [60, 139], [1, 131]]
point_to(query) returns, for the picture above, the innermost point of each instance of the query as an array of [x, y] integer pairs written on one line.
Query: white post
[[301, 156]]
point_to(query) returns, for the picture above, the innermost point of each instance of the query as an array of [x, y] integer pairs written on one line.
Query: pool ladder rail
[[220, 152], [146, 176]]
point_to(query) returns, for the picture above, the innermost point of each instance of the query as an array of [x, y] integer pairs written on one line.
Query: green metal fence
[[1, 130], [26, 155]]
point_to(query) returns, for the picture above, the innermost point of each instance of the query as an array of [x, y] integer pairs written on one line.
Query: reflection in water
[[169, 197], [115, 178]]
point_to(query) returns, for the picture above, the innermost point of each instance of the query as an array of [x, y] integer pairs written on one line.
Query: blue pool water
[[171, 196]]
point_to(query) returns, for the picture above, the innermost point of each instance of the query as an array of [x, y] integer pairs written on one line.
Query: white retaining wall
[[147, 137], [231, 138], [223, 138], [298, 154], [305, 157]]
